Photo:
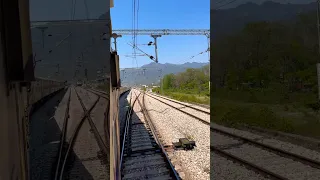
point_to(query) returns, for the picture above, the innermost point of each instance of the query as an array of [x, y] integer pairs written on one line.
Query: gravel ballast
[[172, 125]]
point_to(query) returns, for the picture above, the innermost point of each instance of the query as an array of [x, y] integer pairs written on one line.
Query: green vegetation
[[143, 88], [189, 86], [265, 76]]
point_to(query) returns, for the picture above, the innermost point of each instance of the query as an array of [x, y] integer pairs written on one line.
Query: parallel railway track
[[258, 147], [179, 109], [184, 104], [142, 155]]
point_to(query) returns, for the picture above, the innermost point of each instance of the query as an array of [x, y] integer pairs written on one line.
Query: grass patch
[[290, 118], [184, 97]]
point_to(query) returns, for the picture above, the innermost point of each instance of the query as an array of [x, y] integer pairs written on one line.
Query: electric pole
[[42, 31], [86, 73], [208, 39], [58, 68], [115, 36], [122, 75], [155, 46], [144, 71], [318, 64], [161, 80]]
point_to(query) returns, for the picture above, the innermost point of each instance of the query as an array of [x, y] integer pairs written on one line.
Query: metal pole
[[155, 46], [208, 39], [42, 30], [115, 36], [318, 64], [161, 79], [115, 44]]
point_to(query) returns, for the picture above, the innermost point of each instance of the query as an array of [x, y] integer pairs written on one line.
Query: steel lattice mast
[[205, 32]]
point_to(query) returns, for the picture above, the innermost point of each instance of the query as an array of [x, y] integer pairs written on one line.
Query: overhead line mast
[[163, 31], [155, 33]]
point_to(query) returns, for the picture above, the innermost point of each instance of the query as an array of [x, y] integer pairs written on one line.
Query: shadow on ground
[[44, 137]]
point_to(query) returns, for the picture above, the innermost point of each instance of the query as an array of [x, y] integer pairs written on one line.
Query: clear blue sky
[[163, 14]]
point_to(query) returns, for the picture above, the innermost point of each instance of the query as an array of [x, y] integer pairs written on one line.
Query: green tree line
[[281, 56], [193, 81]]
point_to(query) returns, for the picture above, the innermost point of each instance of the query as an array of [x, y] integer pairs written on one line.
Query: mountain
[[151, 73], [228, 21]]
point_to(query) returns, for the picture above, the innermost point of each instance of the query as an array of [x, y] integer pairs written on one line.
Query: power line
[[226, 4], [220, 1]]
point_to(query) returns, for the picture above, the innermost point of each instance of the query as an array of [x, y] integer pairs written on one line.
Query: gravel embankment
[[172, 125], [199, 114]]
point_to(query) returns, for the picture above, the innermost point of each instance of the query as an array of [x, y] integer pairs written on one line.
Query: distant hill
[[228, 21], [153, 72]]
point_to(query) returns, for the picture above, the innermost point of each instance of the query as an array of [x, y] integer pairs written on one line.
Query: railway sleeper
[[152, 157], [159, 171]]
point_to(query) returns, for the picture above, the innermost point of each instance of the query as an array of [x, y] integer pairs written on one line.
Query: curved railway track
[[67, 145], [142, 154], [281, 157]]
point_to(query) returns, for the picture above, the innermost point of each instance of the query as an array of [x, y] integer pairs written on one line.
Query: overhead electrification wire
[[220, 1], [199, 54], [228, 3], [136, 43]]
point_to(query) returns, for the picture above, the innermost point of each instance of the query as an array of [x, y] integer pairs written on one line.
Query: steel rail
[[188, 106], [100, 142], [153, 130], [64, 129], [98, 93], [74, 136], [126, 128], [248, 164], [191, 115], [302, 159]]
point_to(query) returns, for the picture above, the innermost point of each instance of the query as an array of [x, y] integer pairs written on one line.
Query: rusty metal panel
[[111, 4], [114, 66], [17, 40]]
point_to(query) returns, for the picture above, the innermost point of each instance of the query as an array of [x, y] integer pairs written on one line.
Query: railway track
[[99, 93], [185, 112], [184, 104], [142, 155], [253, 154], [66, 145]]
